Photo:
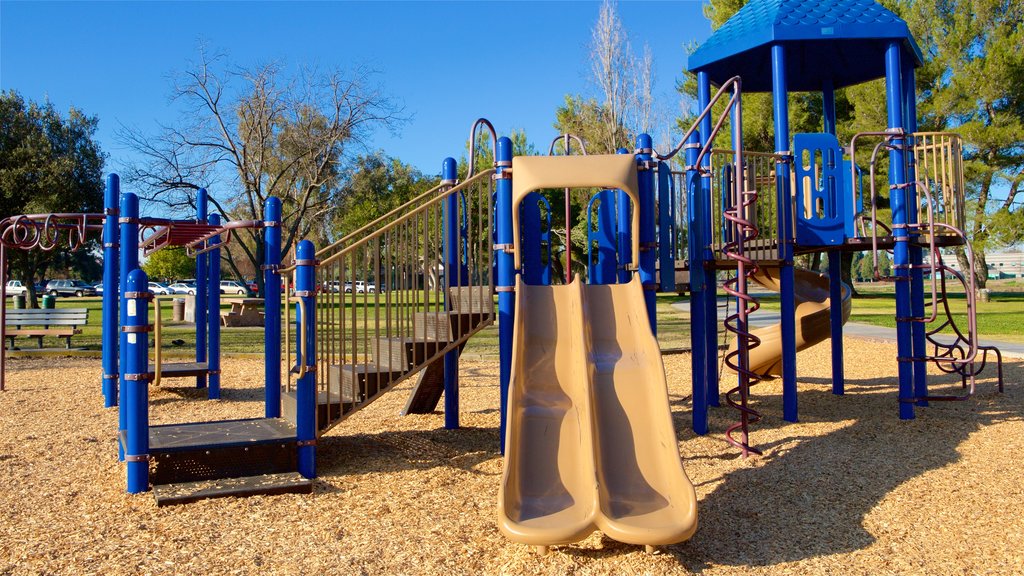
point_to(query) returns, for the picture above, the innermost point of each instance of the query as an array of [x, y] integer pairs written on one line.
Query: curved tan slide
[[590, 443], [813, 322]]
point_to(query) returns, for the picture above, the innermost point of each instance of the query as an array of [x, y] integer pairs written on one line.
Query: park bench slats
[[34, 323]]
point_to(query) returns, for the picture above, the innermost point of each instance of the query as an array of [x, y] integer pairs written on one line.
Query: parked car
[[348, 287], [233, 287], [69, 288], [14, 288], [254, 287], [159, 289], [182, 288], [98, 288], [365, 287]]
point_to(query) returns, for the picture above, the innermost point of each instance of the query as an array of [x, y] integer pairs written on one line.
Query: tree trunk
[[847, 272]]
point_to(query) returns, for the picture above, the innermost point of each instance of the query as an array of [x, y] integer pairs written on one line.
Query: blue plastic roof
[[844, 40]]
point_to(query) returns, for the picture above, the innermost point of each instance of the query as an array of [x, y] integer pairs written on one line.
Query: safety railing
[[759, 176], [938, 167], [398, 294]]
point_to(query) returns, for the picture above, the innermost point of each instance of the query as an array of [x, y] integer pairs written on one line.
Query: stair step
[[225, 449], [326, 411], [401, 354], [348, 387], [445, 326], [266, 484]]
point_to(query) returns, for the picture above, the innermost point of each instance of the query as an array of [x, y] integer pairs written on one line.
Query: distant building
[[1000, 264]]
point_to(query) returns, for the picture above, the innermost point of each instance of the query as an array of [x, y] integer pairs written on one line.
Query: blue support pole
[[202, 290], [901, 251], [529, 218], [917, 330], [835, 259], [213, 313], [695, 223], [452, 262], [602, 268], [624, 231], [272, 307], [505, 281], [135, 382], [710, 327], [111, 256], [129, 220], [305, 329], [648, 244], [787, 278], [666, 229]]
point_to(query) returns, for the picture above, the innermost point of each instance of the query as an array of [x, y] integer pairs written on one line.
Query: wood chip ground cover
[[849, 489]]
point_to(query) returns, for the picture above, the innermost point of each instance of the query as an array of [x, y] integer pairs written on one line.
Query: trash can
[[178, 310], [49, 300], [19, 301]]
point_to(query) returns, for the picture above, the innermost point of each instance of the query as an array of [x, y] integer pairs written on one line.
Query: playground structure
[[585, 420]]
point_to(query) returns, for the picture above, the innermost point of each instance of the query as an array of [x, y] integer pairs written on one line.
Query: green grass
[[999, 319]]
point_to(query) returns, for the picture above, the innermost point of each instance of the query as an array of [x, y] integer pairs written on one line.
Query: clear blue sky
[[446, 62]]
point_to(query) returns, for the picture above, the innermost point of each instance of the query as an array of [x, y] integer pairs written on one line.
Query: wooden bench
[[35, 323]]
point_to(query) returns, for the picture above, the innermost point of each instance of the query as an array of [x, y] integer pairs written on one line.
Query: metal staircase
[[389, 309]]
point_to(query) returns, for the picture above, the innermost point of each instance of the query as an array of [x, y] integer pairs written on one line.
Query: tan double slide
[[590, 443], [813, 321]]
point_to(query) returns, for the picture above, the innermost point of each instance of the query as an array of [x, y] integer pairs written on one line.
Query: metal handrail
[[301, 337], [157, 342], [472, 144], [418, 210], [734, 81]]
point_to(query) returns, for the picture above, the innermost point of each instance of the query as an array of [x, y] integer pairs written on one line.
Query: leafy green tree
[[377, 185], [48, 163], [973, 83], [170, 264]]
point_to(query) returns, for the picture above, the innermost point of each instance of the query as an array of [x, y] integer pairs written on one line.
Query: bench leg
[[67, 342], [11, 346], [40, 341]]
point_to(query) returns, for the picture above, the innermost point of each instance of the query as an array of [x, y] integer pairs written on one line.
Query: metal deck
[[222, 434]]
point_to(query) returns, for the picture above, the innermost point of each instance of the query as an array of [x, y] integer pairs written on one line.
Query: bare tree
[[257, 134], [643, 92], [611, 63]]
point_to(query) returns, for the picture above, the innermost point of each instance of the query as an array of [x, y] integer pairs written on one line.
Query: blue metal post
[[917, 329], [835, 258], [666, 229], [695, 224], [901, 251], [710, 327], [648, 253], [305, 328], [529, 218], [787, 278], [452, 262], [602, 268], [624, 231], [135, 382], [272, 308], [505, 281], [129, 220], [202, 290], [111, 247], [213, 303]]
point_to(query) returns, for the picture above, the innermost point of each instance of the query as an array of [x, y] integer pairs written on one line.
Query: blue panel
[[817, 34], [819, 188], [601, 235], [666, 229], [851, 206]]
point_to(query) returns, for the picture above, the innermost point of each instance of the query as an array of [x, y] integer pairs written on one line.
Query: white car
[[183, 288], [232, 287], [159, 289], [14, 288], [365, 287]]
